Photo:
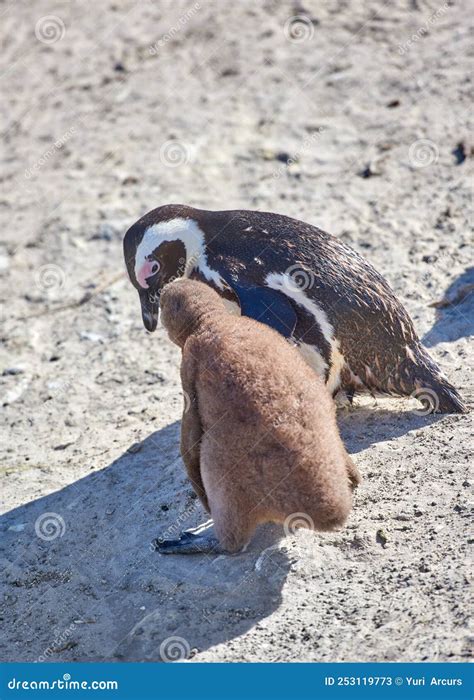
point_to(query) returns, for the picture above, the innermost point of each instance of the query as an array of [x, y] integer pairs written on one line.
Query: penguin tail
[[430, 387]]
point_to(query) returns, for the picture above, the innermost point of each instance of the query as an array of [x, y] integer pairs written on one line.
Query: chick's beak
[[150, 312]]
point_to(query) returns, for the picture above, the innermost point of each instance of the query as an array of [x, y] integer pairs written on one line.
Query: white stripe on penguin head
[[187, 231]]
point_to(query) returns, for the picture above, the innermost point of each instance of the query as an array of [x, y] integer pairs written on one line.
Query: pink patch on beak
[[144, 272]]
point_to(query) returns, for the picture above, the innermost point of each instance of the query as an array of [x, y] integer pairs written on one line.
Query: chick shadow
[[454, 313], [82, 583]]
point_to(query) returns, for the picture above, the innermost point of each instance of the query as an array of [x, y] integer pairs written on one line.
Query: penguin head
[[156, 253], [184, 303]]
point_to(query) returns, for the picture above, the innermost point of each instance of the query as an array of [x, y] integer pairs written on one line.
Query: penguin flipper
[[268, 306]]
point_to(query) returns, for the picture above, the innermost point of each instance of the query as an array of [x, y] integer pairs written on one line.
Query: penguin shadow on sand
[[363, 426], [83, 583], [454, 312]]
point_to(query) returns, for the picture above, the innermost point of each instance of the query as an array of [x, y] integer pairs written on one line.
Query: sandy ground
[[354, 118]]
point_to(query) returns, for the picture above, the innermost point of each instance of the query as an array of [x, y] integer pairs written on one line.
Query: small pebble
[[136, 447], [93, 337]]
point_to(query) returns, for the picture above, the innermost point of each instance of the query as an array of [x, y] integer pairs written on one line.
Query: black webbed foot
[[190, 543]]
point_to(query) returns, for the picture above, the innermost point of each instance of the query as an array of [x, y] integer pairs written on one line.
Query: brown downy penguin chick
[[259, 437]]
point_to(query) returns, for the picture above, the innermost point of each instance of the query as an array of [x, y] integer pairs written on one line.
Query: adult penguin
[[305, 283]]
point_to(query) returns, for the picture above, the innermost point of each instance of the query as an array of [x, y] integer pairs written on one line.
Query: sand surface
[[356, 120]]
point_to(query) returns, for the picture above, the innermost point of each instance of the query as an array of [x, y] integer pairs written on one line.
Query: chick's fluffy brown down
[[259, 435]]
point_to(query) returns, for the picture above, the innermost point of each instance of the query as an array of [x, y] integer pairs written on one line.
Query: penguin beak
[[150, 311]]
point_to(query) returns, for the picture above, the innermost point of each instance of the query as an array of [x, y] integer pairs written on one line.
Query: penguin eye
[[155, 267]]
